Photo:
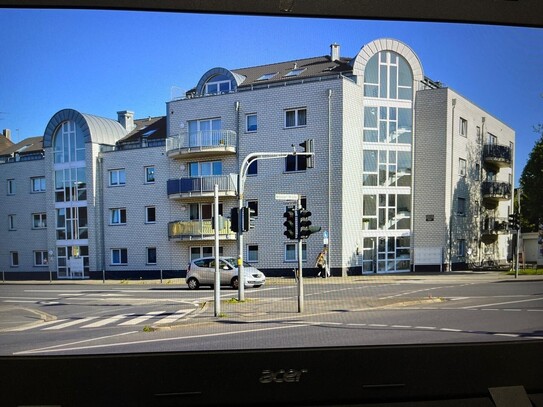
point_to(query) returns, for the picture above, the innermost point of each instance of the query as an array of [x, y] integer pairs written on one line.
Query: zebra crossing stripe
[[107, 321], [69, 323], [174, 317], [142, 318]]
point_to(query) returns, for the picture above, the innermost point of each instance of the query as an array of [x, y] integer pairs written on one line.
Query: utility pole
[[217, 288], [518, 232]]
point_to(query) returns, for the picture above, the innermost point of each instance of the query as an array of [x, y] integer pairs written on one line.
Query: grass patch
[[234, 300], [527, 272], [148, 328]]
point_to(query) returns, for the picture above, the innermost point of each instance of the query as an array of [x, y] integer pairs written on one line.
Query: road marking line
[[142, 318], [34, 326], [378, 325], [58, 348], [450, 330], [69, 323], [107, 321], [508, 335], [174, 317], [425, 327], [502, 303], [401, 326]]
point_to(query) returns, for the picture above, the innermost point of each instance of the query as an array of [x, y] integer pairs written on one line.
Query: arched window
[[68, 143], [388, 76]]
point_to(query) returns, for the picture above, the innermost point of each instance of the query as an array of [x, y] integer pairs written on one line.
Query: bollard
[[160, 276], [103, 276]]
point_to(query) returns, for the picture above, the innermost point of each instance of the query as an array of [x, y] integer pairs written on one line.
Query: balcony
[[494, 226], [202, 187], [198, 230], [497, 155], [202, 143], [496, 191]]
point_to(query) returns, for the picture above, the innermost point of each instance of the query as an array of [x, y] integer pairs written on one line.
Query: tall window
[[11, 222], [70, 185], [150, 174], [14, 256], [251, 123], [40, 258], [11, 187], [387, 125], [461, 207], [69, 143], [205, 132], [462, 167], [151, 255], [463, 127], [150, 214], [388, 76], [72, 223]]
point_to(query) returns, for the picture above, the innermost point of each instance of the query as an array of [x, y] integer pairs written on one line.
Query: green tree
[[531, 182]]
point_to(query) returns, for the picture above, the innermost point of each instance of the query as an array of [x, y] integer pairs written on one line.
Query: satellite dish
[[182, 125]]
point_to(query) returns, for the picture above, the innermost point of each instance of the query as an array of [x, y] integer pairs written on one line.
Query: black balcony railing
[[498, 154], [202, 185], [492, 226], [497, 190]]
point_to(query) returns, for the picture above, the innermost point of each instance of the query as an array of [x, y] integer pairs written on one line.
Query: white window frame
[[117, 177], [120, 253], [116, 216], [462, 167], [148, 174], [37, 184], [463, 127], [247, 117], [296, 118], [252, 249], [11, 222], [40, 219], [40, 258], [147, 251], [461, 208], [295, 259], [14, 259], [147, 208], [11, 186]]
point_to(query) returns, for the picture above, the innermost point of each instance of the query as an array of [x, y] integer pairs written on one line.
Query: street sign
[[286, 197], [325, 237]]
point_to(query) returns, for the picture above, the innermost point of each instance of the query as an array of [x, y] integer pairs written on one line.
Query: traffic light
[[248, 218], [514, 221], [304, 225], [290, 223], [234, 219], [307, 145]]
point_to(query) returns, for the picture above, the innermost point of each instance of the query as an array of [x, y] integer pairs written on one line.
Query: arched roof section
[[387, 44], [95, 129], [235, 79]]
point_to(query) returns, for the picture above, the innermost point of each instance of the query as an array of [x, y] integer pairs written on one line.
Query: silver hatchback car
[[202, 272]]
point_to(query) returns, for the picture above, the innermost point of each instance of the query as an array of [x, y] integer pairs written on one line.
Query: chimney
[[7, 134], [126, 118], [334, 52]]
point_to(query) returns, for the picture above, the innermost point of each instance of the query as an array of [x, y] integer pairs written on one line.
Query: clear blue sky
[[100, 62]]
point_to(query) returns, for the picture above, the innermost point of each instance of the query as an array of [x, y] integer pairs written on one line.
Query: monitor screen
[[243, 206]]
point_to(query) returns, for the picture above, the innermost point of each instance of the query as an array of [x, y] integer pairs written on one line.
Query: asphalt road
[[91, 317]]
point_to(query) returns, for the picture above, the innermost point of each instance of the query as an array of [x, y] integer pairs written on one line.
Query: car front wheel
[[234, 283], [193, 283]]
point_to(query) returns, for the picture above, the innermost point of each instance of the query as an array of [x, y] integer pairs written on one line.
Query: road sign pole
[[217, 288], [300, 273]]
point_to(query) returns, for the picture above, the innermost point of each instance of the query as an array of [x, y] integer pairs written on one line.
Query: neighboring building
[[408, 174]]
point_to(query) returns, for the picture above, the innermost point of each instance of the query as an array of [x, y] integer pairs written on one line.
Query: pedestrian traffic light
[[304, 225], [234, 219], [248, 218], [290, 223], [307, 145]]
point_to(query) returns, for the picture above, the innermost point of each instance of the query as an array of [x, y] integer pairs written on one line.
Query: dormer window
[[218, 84]]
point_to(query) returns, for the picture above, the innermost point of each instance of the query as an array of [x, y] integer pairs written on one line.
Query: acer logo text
[[282, 376]]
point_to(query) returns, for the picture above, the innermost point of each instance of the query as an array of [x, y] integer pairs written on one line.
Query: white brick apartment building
[[407, 175]]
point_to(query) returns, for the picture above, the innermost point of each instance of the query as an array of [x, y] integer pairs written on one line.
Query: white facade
[[388, 158]]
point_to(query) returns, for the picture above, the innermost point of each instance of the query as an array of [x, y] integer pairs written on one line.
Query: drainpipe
[[329, 177], [100, 189], [451, 212]]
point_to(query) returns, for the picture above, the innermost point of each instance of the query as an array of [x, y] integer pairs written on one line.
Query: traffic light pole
[[242, 175], [300, 274], [518, 233]]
